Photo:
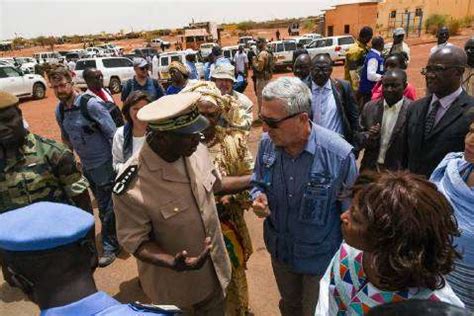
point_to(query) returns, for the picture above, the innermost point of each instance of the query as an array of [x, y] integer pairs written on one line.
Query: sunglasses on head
[[274, 123]]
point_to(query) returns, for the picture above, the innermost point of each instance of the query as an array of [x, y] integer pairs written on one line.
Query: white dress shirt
[[389, 119], [118, 159], [438, 47], [240, 61]]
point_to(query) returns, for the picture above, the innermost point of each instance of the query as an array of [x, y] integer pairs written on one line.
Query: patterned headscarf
[[179, 66], [227, 104]]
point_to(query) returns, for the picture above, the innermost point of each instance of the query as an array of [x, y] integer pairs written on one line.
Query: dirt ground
[[120, 279]]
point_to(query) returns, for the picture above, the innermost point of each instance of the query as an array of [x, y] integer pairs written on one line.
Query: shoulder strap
[[61, 113], [84, 109]]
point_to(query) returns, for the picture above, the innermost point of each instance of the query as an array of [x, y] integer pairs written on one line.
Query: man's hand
[[374, 131], [182, 262], [260, 206]]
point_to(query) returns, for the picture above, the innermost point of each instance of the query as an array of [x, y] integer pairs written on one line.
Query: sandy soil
[[120, 279]]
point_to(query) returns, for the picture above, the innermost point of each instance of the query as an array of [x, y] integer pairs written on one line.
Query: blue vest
[[306, 240], [365, 86]]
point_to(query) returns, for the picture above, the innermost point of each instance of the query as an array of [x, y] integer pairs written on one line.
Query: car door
[[163, 67], [14, 81]]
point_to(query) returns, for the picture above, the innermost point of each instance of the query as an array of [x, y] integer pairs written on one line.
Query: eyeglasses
[[321, 69], [274, 123], [437, 69]]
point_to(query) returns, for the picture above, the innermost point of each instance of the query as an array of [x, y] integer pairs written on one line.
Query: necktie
[[431, 117]]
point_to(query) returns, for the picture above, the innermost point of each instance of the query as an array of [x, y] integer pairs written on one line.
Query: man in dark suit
[[333, 105], [438, 123], [383, 125]]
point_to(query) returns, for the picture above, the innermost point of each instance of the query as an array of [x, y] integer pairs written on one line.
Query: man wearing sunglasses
[[300, 172], [142, 81], [438, 123], [166, 212]]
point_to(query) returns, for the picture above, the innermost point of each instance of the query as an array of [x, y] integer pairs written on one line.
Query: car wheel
[[115, 85], [39, 91]]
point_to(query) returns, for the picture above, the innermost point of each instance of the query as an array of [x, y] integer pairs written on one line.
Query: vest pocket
[[172, 208]]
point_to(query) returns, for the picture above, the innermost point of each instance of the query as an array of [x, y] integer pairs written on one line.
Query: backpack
[[111, 107]]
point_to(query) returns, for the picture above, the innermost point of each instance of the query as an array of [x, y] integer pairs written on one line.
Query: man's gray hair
[[294, 92]]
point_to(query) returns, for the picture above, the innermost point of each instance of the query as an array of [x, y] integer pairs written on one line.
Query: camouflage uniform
[[43, 170], [262, 65]]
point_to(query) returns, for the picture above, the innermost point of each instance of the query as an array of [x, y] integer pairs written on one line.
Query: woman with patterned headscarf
[[227, 144], [179, 75]]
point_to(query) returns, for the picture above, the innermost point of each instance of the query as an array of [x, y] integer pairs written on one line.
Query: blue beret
[[43, 226]]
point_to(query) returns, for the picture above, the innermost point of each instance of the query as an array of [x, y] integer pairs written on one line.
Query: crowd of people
[[172, 175]]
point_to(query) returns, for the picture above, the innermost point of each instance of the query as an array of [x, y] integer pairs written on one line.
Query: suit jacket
[[447, 136], [396, 151], [347, 106]]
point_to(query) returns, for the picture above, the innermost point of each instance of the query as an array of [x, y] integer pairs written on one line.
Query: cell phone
[[167, 309]]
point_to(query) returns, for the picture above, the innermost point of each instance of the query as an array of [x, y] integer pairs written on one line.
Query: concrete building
[[385, 15]]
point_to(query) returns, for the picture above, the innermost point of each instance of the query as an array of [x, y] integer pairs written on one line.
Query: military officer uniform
[[43, 170], [173, 204], [45, 230]]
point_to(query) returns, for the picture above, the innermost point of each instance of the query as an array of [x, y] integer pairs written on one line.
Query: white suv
[[116, 70], [283, 53], [334, 46], [22, 85], [166, 58]]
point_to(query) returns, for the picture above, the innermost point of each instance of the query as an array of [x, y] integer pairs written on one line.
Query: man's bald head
[[394, 83], [469, 50], [396, 73], [302, 66], [444, 70], [321, 69], [442, 34]]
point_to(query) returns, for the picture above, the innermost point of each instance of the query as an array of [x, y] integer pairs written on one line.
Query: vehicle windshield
[[207, 46]]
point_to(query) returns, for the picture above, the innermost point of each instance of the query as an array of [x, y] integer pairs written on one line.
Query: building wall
[[454, 8], [354, 15]]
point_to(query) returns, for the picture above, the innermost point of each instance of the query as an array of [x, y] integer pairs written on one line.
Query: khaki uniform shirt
[[262, 65], [173, 205], [43, 170], [354, 61]]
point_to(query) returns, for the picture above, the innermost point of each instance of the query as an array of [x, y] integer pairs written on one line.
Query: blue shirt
[[303, 229], [92, 141], [193, 74], [96, 304], [323, 106], [152, 87], [172, 90]]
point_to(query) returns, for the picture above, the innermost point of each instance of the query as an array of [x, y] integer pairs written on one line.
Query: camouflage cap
[[7, 100]]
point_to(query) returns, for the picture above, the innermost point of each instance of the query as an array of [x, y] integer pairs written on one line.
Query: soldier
[[46, 249], [33, 168], [166, 212], [262, 65]]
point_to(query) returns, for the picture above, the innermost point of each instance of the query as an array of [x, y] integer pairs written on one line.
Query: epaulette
[[124, 179], [158, 309]]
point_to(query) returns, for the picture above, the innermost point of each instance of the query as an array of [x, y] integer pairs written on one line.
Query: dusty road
[[120, 279]]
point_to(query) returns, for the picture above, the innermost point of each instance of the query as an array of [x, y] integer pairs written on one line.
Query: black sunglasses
[[274, 123]]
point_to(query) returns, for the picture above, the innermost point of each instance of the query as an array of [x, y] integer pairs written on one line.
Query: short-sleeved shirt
[[240, 60], [97, 304], [43, 170], [173, 205]]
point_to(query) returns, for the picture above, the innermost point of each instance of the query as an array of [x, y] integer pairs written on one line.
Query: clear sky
[[30, 18]]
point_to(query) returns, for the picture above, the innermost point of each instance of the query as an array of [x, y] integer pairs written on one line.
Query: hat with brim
[[139, 62], [7, 100], [223, 71], [176, 113]]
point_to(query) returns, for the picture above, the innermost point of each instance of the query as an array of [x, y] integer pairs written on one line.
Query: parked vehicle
[[157, 42], [302, 40], [145, 52], [8, 60], [283, 53], [244, 40], [94, 52], [48, 57], [115, 70], [206, 48], [14, 81], [334, 46], [230, 51], [166, 58], [312, 35], [26, 64]]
